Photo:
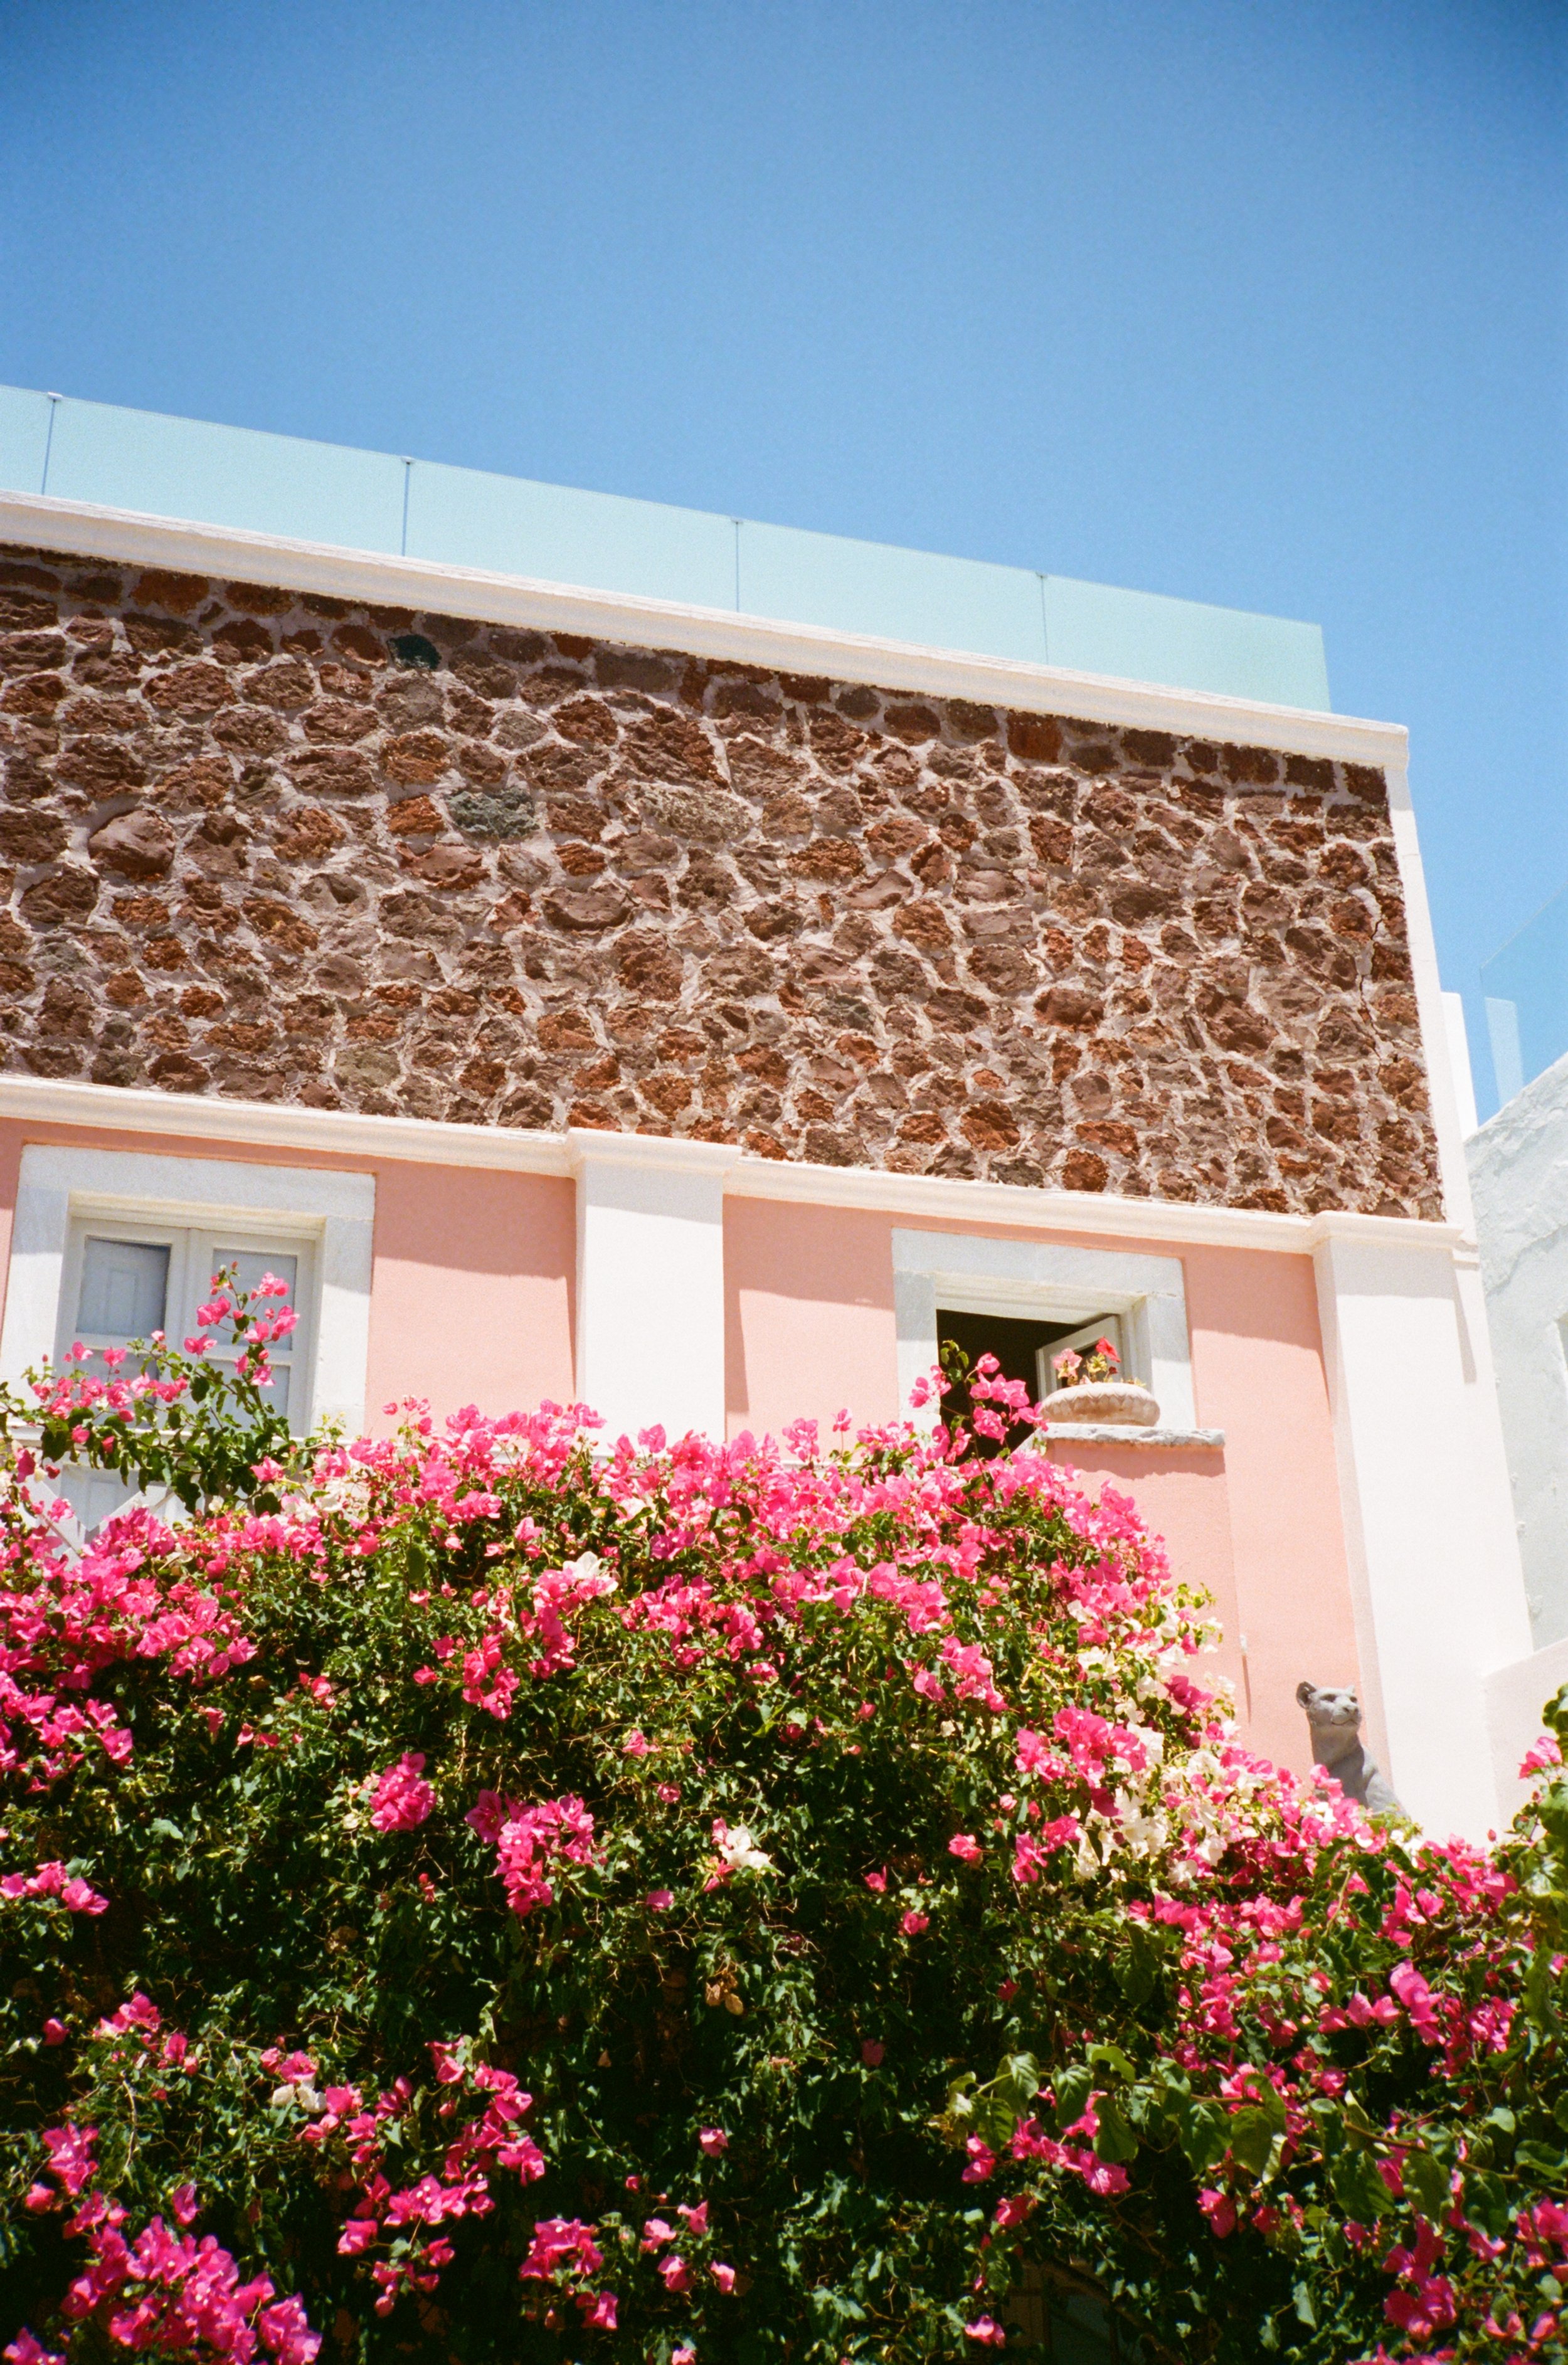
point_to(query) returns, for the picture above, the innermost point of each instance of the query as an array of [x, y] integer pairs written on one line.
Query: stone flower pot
[[1109, 1404]]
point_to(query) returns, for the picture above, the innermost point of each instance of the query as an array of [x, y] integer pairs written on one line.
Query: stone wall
[[264, 845]]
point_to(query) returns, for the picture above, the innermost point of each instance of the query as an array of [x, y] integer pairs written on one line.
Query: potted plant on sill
[[1090, 1388]]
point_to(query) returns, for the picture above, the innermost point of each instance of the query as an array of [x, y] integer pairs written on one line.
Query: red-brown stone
[[834, 922]]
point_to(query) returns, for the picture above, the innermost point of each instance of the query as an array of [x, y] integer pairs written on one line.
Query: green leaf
[[1114, 2139], [1306, 2312], [1358, 2189], [1487, 2200], [1266, 2098], [1137, 1969], [1427, 2183], [1251, 2138], [1112, 2058], [1073, 2090], [1204, 2136]]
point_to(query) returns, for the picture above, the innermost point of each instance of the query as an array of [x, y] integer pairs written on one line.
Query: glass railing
[[1523, 990], [283, 484]]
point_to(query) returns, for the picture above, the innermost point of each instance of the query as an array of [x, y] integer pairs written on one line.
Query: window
[[109, 1245], [1026, 1300], [125, 1279], [1025, 1349]]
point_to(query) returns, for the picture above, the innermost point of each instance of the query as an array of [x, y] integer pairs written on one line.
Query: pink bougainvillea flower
[[1539, 1756], [713, 2140], [872, 2053], [723, 2276], [966, 1849], [25, 2349], [877, 1880], [660, 1899], [983, 2330], [635, 1744], [913, 1923], [1219, 2209], [401, 1801]]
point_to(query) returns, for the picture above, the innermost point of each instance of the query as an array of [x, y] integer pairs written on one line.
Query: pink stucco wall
[[472, 1301], [473, 1286], [811, 1328]]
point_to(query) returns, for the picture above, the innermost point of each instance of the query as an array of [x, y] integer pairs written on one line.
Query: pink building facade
[[695, 1015]]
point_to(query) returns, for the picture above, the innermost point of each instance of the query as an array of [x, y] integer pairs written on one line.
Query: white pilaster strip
[[651, 1280], [1434, 1569]]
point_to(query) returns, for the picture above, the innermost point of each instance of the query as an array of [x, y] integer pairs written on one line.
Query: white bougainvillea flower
[[738, 1852]]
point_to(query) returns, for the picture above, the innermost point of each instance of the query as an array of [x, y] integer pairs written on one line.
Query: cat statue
[[1335, 1717]]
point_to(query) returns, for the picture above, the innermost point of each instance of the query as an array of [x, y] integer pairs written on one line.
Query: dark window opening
[[1015, 1344]]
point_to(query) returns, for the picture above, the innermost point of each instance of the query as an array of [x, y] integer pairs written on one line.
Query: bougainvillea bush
[[494, 1892]]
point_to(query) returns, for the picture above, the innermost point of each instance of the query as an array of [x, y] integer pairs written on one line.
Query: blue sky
[[1244, 301]]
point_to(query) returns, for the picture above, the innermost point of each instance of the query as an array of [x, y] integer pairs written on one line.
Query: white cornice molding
[[946, 1197], [934, 1198], [281, 1124], [376, 579], [666, 1153]]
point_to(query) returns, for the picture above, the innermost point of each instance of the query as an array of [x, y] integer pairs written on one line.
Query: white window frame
[[196, 1253], [969, 1273], [1104, 1322], [335, 1211]]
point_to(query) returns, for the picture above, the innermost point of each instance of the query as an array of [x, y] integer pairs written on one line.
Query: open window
[[1024, 1347], [1026, 1301]]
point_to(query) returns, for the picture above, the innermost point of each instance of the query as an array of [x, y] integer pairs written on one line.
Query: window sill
[[1069, 1432]]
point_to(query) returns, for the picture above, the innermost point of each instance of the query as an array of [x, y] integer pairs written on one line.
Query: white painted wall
[[1518, 1168], [1433, 1564], [1515, 1698], [651, 1280], [1463, 1073], [1443, 1363]]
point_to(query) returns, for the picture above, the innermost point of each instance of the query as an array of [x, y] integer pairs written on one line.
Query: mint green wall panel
[[226, 475], [1141, 636], [24, 439], [896, 595], [510, 526]]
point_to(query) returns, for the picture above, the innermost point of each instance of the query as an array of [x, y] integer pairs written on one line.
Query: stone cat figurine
[[1335, 1717]]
